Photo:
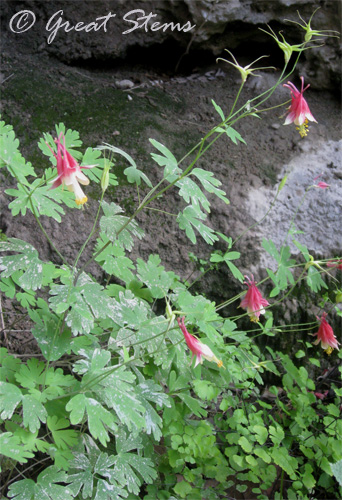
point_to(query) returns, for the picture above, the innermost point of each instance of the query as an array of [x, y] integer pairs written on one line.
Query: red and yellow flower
[[325, 335], [197, 348], [69, 171], [299, 112], [253, 301]]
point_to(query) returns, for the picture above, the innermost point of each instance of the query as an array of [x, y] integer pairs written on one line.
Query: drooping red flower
[[69, 171], [197, 348], [321, 184], [336, 264], [299, 112], [253, 300], [321, 395], [325, 335]]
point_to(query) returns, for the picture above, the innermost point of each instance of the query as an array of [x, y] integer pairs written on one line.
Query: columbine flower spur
[[253, 300], [299, 112], [69, 171], [197, 348]]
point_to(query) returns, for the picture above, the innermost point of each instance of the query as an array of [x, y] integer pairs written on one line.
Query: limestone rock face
[[131, 29]]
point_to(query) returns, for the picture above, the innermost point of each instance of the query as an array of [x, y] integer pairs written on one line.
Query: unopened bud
[[282, 184], [105, 177], [169, 313]]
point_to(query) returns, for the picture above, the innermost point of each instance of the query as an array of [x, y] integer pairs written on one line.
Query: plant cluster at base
[[111, 406]]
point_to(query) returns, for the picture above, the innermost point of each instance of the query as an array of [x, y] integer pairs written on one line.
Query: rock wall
[[219, 24]]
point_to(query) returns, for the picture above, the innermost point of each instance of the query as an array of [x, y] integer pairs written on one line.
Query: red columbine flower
[[325, 335], [299, 110], [321, 395], [321, 184], [336, 264], [253, 300], [197, 348], [69, 171]]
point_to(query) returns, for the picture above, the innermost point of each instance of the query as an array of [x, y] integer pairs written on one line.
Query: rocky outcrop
[[112, 31]]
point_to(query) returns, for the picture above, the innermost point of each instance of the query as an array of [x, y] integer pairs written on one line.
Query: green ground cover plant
[[113, 408]]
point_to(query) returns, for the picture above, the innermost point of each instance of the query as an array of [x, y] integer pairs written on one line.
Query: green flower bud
[[105, 177]]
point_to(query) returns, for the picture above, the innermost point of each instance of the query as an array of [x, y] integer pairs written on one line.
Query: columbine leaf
[[234, 135], [10, 396], [148, 392], [106, 490], [44, 489], [7, 286], [126, 465], [113, 259], [111, 224], [191, 218], [337, 471], [97, 416], [10, 446], [193, 404], [189, 190], [28, 439], [11, 157], [9, 365], [148, 336], [26, 259], [57, 382], [168, 161], [270, 248], [314, 280], [52, 346], [63, 436], [303, 248], [155, 277], [80, 319], [283, 274], [92, 360], [34, 413], [134, 176], [139, 290], [86, 467], [44, 201], [86, 301], [209, 183], [219, 110], [118, 392], [72, 140], [129, 311], [82, 479], [31, 374]]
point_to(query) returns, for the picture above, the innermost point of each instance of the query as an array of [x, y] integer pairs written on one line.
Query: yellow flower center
[[303, 129], [81, 201], [329, 350], [219, 363]]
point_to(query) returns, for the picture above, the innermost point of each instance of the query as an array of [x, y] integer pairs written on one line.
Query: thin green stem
[[236, 100], [89, 237]]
